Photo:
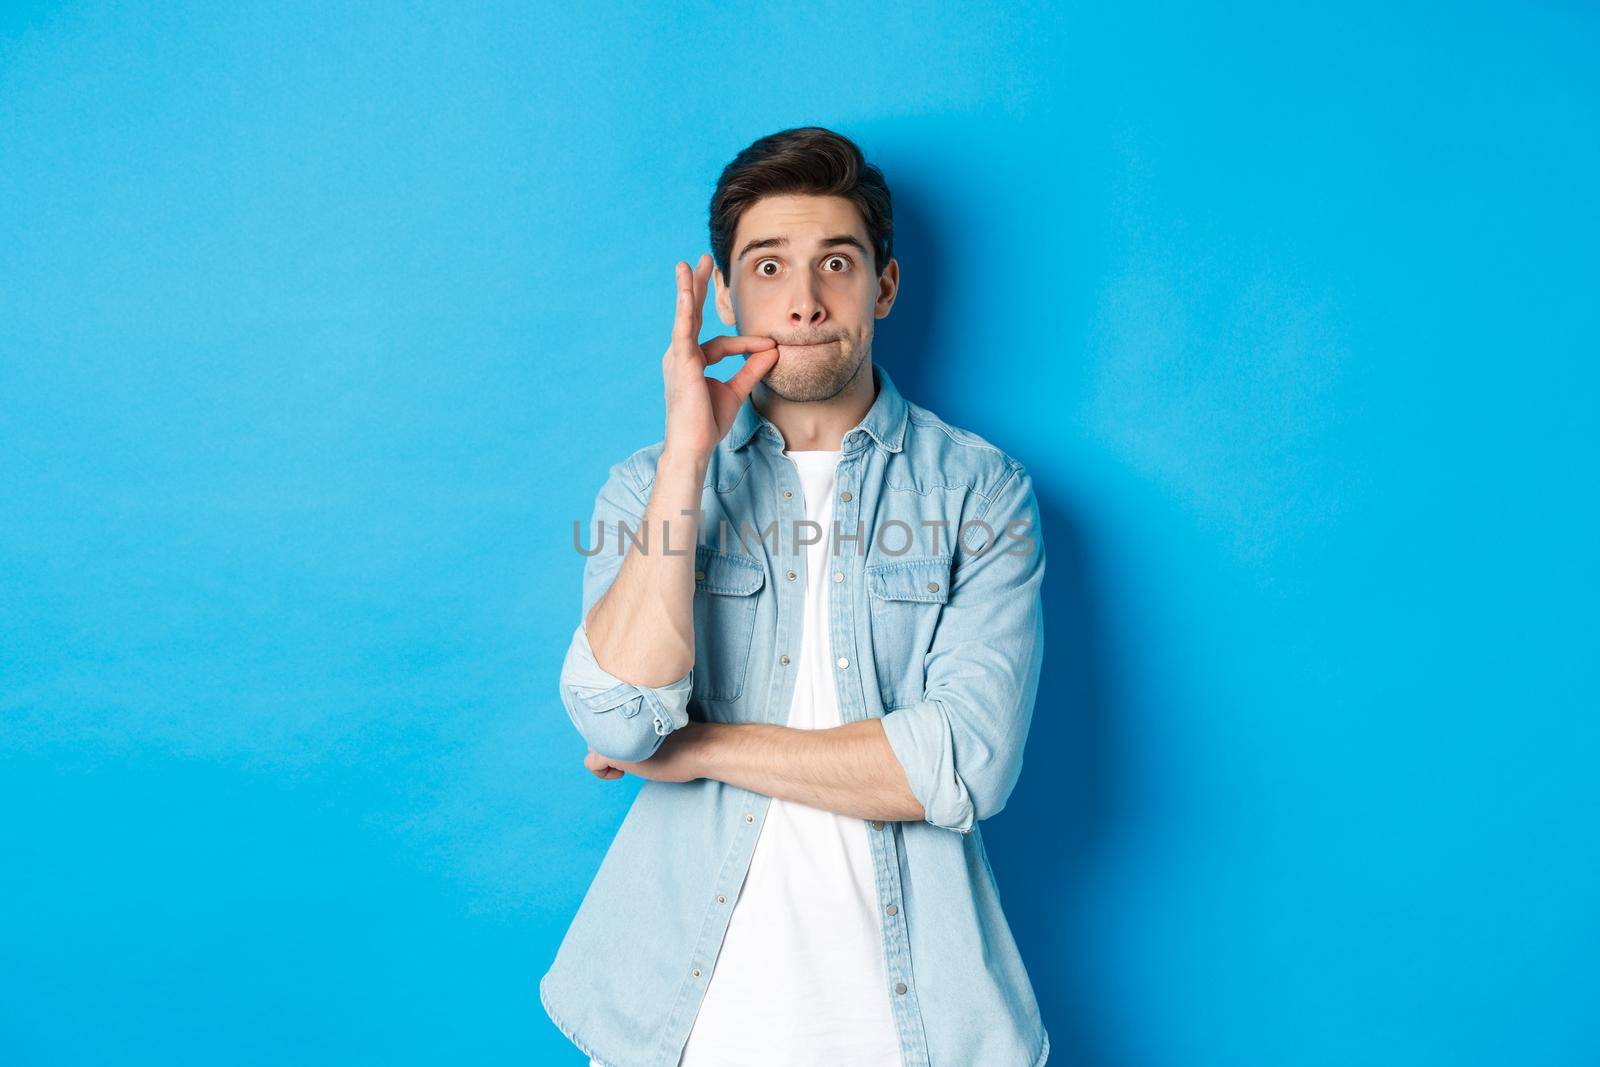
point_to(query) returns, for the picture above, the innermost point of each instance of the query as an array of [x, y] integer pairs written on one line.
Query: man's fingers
[[755, 368], [685, 326], [702, 278], [600, 767], [729, 344], [692, 283]]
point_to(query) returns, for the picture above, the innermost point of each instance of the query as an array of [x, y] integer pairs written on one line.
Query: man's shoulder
[[638, 468], [939, 447]]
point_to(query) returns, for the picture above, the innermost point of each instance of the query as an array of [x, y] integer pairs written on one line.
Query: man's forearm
[[642, 629], [847, 769]]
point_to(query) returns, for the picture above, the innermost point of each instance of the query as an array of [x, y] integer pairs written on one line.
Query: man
[[817, 637]]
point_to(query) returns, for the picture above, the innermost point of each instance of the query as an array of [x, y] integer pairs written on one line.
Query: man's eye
[[845, 260], [761, 268]]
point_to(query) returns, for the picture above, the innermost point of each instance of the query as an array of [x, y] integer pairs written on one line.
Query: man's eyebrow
[[782, 242]]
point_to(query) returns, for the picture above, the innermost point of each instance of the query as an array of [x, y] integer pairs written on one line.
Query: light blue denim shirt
[[936, 628]]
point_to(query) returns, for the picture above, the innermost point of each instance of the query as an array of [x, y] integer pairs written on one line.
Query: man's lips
[[806, 350]]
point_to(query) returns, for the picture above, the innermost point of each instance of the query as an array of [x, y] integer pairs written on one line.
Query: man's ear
[[888, 289], [724, 298]]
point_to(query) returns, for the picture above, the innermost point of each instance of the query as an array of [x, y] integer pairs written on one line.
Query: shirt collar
[[885, 421]]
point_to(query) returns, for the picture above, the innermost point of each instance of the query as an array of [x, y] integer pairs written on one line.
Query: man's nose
[[804, 307]]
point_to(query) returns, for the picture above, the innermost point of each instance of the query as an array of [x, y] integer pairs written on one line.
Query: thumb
[[756, 366]]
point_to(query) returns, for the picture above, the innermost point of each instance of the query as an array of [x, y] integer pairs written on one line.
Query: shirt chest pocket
[[906, 596], [725, 587]]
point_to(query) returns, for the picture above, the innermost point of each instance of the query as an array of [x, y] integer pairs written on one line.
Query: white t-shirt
[[800, 980]]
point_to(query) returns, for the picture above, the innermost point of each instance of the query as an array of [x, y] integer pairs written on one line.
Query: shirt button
[[892, 910], [696, 973], [838, 576], [899, 987], [845, 496], [792, 576], [877, 824], [788, 495], [783, 660], [749, 818], [844, 661], [933, 587], [699, 576], [721, 899]]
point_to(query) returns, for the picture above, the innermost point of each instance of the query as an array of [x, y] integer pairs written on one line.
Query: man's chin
[[804, 387]]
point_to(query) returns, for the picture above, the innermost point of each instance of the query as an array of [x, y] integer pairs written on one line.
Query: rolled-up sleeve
[[618, 719], [961, 745]]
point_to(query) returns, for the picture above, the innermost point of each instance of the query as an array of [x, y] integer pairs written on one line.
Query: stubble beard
[[813, 379]]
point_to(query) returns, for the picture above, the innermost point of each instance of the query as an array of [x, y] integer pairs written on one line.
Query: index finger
[[729, 344]]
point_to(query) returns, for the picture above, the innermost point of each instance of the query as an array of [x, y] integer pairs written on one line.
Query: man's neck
[[819, 425]]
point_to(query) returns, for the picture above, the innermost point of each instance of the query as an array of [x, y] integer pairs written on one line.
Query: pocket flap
[[726, 573], [926, 579], [623, 696]]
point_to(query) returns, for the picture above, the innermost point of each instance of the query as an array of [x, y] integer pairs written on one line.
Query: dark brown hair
[[806, 160]]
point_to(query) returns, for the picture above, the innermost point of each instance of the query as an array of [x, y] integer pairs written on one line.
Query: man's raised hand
[[701, 410]]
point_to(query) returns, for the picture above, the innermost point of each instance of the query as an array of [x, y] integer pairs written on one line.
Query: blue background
[[318, 331]]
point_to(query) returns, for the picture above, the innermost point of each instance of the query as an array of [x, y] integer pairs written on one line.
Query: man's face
[[801, 272]]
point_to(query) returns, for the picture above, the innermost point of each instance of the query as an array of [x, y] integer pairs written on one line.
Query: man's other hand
[[677, 760]]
